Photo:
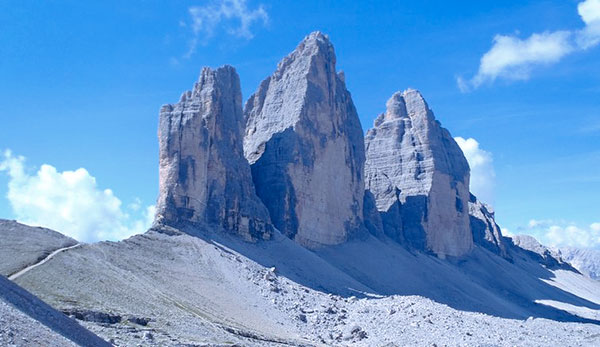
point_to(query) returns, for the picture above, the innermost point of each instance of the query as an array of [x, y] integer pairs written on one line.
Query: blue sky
[[82, 83]]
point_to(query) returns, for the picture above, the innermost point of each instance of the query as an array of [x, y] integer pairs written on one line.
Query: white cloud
[[590, 14], [483, 177], [135, 205], [513, 58], [589, 11], [234, 15], [560, 233], [507, 232], [70, 202]]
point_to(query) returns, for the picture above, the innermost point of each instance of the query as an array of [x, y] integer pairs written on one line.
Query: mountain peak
[[317, 43], [407, 104], [204, 177], [304, 143], [209, 77], [314, 50], [317, 36], [420, 160], [316, 39]]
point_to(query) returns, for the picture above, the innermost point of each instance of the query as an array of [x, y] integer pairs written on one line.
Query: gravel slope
[[27, 321], [22, 245], [170, 288], [18, 329]]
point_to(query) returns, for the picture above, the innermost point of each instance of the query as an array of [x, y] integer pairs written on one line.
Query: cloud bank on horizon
[[562, 233], [71, 202], [234, 15], [513, 58], [556, 233]]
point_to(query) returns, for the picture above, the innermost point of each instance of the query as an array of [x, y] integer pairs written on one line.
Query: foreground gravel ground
[[167, 288], [18, 329], [161, 290]]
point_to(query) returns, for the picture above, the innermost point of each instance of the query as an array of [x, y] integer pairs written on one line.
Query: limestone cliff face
[[304, 143], [419, 178], [204, 177], [485, 230]]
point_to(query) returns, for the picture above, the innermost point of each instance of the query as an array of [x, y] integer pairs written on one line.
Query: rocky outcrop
[[419, 178], [204, 177], [527, 245], [484, 228], [304, 143]]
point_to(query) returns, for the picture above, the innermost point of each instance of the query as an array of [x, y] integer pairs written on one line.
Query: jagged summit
[[304, 142], [314, 44], [407, 104], [419, 177], [310, 68], [204, 177]]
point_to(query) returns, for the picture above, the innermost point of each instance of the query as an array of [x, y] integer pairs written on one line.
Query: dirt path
[[20, 273]]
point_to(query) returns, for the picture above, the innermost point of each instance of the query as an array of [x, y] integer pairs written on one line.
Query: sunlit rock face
[[304, 143], [485, 230], [204, 177], [419, 178]]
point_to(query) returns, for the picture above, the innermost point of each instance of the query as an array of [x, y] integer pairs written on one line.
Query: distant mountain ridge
[[587, 261]]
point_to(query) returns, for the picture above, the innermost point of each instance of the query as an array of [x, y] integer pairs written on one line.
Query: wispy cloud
[[483, 176], [233, 16], [71, 203], [514, 58], [561, 233]]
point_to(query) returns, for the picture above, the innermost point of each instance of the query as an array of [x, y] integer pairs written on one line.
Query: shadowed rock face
[[419, 178], [304, 143], [204, 177], [485, 230]]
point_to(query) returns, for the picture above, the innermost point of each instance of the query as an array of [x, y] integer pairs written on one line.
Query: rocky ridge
[[484, 228], [551, 258]]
